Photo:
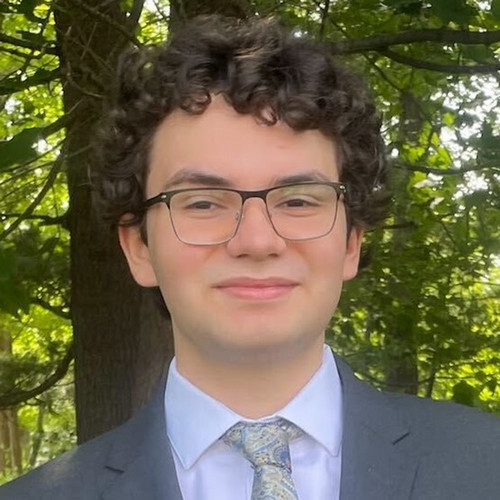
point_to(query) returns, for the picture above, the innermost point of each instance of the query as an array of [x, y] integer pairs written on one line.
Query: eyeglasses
[[211, 216]]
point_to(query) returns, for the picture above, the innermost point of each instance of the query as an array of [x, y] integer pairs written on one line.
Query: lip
[[256, 288]]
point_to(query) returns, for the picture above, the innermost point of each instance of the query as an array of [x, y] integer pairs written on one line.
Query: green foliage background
[[422, 317]]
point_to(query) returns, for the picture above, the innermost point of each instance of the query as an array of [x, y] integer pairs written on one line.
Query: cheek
[[167, 255], [326, 266], [178, 268], [328, 260]]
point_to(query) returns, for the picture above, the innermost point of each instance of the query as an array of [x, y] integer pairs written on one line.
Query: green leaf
[[479, 53], [49, 245], [27, 7], [410, 7], [20, 148], [495, 9], [457, 11], [5, 9], [489, 142], [449, 119], [492, 385], [13, 297], [464, 393]]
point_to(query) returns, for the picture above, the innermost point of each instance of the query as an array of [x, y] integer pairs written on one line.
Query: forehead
[[236, 147]]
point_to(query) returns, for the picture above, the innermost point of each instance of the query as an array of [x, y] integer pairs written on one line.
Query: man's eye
[[201, 205], [298, 203]]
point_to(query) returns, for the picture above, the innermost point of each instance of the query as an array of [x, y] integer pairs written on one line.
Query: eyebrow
[[192, 176], [311, 176], [199, 177]]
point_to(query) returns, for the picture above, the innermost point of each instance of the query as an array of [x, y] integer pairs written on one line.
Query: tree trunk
[[4, 443], [121, 342], [180, 10], [15, 441], [11, 453], [37, 435], [401, 345]]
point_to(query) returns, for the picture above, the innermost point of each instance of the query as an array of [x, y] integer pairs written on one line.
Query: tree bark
[[182, 10], [121, 341], [402, 368], [15, 441], [11, 453]]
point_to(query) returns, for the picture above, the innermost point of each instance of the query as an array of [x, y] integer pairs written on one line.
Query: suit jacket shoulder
[[397, 446], [131, 462], [459, 446], [76, 474]]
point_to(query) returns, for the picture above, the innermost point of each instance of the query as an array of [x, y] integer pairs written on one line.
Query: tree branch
[[159, 11], [14, 398], [135, 14], [97, 14], [58, 311], [456, 69], [10, 85], [324, 16], [47, 220], [371, 59], [29, 44], [38, 198], [383, 383], [444, 171], [401, 225], [381, 42], [22, 55]]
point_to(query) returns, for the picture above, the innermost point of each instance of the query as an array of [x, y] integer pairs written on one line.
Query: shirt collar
[[317, 408], [195, 420]]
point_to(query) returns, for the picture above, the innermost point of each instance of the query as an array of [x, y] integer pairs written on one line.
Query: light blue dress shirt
[[207, 469]]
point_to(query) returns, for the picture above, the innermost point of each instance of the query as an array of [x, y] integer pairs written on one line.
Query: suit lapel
[[377, 461], [140, 460]]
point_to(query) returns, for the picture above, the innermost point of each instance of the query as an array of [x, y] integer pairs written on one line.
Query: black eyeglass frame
[[165, 196]]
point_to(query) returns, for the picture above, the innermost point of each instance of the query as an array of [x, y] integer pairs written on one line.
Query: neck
[[253, 390]]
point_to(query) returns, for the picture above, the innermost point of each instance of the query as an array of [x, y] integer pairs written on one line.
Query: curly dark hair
[[260, 69]]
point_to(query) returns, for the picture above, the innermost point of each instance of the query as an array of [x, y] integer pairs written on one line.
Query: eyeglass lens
[[212, 216]]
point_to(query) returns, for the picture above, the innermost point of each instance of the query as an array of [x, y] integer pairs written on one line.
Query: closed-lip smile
[[256, 288]]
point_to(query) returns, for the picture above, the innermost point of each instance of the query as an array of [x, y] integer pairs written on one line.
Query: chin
[[263, 347]]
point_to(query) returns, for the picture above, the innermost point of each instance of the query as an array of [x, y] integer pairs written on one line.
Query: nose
[[255, 237]]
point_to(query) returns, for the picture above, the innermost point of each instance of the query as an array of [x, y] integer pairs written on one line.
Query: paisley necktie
[[265, 446]]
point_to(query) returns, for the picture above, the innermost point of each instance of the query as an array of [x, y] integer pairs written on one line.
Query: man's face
[[258, 296]]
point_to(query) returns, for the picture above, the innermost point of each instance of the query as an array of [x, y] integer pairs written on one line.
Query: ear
[[137, 254], [353, 251]]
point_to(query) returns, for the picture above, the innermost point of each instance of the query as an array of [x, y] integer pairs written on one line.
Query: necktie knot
[[265, 446]]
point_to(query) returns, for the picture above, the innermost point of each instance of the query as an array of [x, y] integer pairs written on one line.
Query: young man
[[242, 167]]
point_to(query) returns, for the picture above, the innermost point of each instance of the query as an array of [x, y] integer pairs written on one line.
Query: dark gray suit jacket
[[395, 447]]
